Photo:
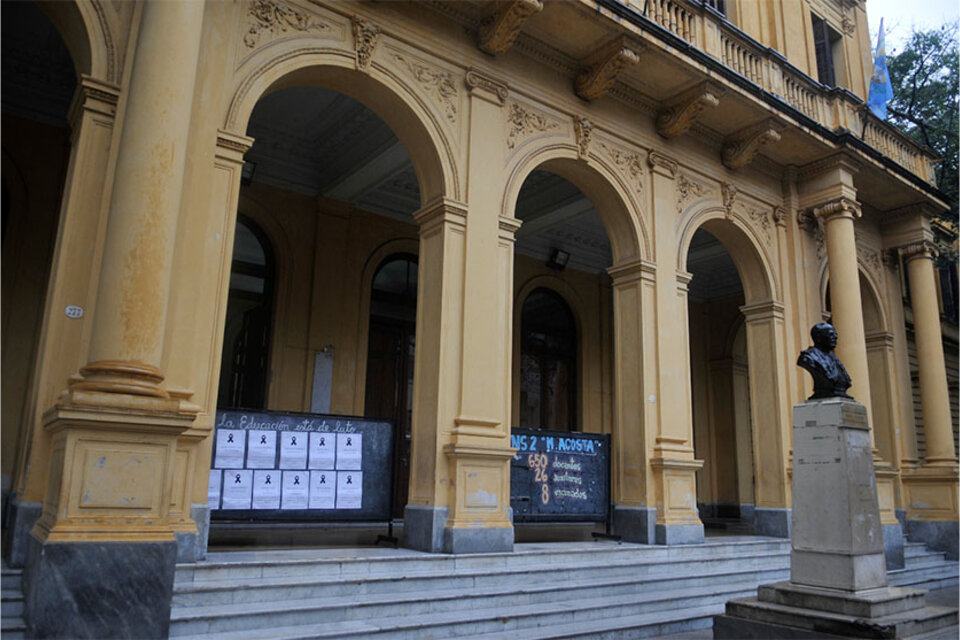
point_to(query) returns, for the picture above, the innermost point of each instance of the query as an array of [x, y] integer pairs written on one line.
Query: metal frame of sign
[[602, 511], [376, 459]]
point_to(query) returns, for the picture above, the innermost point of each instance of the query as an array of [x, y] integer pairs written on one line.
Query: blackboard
[[559, 476], [345, 473]]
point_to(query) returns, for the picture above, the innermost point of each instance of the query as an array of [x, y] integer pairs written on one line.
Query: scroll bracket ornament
[[584, 130], [498, 32], [366, 35], [481, 84], [601, 68], [740, 149], [681, 111]]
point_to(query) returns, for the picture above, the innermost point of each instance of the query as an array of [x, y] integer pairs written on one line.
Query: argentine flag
[[881, 91]]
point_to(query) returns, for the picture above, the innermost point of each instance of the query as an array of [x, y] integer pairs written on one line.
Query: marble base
[[893, 546], [477, 540], [423, 528], [937, 535], [787, 610], [679, 534], [193, 546], [98, 589], [23, 515], [635, 524], [771, 522]]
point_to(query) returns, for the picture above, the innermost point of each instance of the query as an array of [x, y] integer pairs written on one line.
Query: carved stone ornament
[[663, 164], [687, 190], [681, 111], [740, 149], [763, 220], [922, 249], [629, 162], [890, 258], [728, 195], [524, 124], [498, 32], [871, 260], [842, 207], [436, 83], [477, 80], [274, 17], [601, 68], [806, 220], [848, 25], [779, 215], [584, 131], [365, 35]]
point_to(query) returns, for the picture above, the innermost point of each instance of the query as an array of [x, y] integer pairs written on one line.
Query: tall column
[[841, 243], [460, 488], [673, 465], [932, 514], [934, 396], [114, 431]]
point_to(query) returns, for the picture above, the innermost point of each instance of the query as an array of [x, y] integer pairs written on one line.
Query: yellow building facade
[[616, 217]]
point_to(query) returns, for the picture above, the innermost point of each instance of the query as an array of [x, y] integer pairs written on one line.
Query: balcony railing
[[709, 31]]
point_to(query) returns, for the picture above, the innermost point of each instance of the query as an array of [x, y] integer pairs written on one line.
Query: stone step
[[931, 577], [11, 579], [12, 627], [426, 623], [290, 587], [11, 604], [220, 567]]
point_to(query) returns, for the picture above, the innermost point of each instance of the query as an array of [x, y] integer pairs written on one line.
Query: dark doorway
[[548, 363], [245, 363], [390, 358]]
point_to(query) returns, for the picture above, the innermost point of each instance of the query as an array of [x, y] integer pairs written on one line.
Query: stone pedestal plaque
[[837, 537]]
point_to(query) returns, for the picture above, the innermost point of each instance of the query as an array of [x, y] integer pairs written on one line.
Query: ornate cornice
[[680, 112], [740, 148], [837, 160], [366, 35], [498, 32], [600, 69], [497, 89]]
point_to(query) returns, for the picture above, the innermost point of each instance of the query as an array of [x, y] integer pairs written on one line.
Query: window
[[548, 363], [828, 46], [246, 336]]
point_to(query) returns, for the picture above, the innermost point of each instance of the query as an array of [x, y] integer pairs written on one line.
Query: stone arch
[[395, 103], [89, 29], [738, 238], [599, 183], [769, 399], [374, 261]]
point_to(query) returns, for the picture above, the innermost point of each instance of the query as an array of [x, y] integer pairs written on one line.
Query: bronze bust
[[830, 378]]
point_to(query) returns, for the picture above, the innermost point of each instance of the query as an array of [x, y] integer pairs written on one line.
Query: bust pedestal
[[838, 580]]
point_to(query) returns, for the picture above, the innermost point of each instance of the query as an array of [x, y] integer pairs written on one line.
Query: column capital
[[922, 249], [663, 165], [626, 272], [440, 210], [232, 146], [95, 96], [835, 209], [485, 86]]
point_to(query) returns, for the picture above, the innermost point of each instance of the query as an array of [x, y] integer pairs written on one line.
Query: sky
[[902, 17]]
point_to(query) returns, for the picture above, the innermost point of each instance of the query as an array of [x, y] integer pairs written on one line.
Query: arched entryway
[[739, 399]]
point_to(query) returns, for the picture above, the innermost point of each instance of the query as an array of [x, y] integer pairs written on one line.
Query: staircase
[[12, 626], [556, 590]]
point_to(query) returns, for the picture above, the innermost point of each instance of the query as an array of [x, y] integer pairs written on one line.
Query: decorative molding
[[833, 161], [600, 69], [779, 215], [478, 80], [233, 142], [524, 124], [584, 131], [890, 258], [630, 164], [681, 111], [438, 84], [740, 149], [275, 18], [366, 35], [819, 239], [687, 189], [498, 32], [807, 221], [849, 25], [728, 195], [872, 261], [842, 207], [923, 249], [763, 220], [662, 164]]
